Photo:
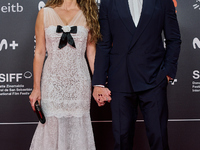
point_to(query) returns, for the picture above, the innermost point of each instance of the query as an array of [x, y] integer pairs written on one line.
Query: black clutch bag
[[39, 113]]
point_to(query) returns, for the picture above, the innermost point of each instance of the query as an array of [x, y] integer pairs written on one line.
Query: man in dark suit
[[132, 56]]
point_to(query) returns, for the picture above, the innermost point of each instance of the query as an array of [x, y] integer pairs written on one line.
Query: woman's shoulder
[[41, 12], [47, 8]]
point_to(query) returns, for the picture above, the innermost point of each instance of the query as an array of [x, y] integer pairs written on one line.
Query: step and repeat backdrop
[[18, 121]]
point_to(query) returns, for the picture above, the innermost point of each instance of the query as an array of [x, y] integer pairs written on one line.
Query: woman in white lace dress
[[66, 29]]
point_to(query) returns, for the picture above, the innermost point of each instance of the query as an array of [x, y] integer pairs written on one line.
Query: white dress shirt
[[135, 7]]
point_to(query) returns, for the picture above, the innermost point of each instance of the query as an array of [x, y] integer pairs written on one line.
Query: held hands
[[35, 96], [101, 95]]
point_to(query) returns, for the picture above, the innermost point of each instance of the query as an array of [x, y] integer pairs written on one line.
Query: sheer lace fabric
[[65, 90]]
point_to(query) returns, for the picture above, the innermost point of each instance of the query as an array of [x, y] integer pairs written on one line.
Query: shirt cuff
[[99, 86]]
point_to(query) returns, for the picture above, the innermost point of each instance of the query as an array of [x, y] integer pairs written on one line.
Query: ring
[[106, 99]]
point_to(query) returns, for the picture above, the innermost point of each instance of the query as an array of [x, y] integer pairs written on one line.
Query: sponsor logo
[[10, 84], [173, 83], [196, 43], [4, 45], [196, 74], [10, 77], [28, 75], [196, 83], [41, 5], [14, 77], [197, 5], [15, 8]]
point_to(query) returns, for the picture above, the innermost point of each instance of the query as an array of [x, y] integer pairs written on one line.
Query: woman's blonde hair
[[90, 11]]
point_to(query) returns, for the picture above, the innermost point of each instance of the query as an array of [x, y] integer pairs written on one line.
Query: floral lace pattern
[[66, 83], [65, 90]]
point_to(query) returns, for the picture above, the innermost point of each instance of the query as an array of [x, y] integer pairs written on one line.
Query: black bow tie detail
[[66, 36]]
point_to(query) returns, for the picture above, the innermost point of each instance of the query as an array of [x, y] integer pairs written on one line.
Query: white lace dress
[[66, 90]]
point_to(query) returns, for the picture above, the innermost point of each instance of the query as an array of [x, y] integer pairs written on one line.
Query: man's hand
[[169, 79], [101, 95]]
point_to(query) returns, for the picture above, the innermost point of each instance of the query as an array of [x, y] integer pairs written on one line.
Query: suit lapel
[[146, 14], [125, 15]]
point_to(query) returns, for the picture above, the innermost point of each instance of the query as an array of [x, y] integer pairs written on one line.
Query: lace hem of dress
[[66, 133]]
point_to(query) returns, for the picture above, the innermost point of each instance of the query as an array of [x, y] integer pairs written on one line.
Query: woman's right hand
[[35, 96]]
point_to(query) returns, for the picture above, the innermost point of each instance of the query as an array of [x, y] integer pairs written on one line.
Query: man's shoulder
[[107, 2]]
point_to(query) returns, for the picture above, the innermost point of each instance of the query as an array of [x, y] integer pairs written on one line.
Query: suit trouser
[[154, 107]]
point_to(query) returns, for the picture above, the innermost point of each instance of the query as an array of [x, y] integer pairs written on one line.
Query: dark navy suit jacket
[[134, 58]]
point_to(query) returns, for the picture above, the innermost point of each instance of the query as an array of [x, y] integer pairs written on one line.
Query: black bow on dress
[[66, 36]]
